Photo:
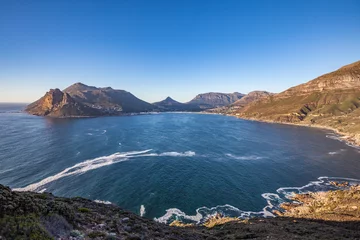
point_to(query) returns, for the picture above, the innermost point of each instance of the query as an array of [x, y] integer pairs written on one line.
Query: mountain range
[[331, 100], [80, 100]]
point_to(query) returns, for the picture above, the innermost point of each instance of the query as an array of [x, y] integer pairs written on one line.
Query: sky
[[176, 48]]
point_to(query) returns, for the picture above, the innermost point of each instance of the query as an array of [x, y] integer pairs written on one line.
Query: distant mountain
[[56, 103], [242, 102], [331, 100], [251, 97], [82, 100], [170, 104], [213, 99]]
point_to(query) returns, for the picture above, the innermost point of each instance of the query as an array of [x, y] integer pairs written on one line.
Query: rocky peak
[[55, 98]]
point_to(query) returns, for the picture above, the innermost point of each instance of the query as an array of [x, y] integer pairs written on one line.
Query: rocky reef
[[28, 215]]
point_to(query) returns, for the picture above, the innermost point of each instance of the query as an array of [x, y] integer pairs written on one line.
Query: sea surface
[[171, 165]]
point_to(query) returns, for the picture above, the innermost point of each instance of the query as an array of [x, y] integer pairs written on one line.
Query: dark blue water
[[167, 161]]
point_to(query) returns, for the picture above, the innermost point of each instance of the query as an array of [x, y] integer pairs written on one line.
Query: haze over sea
[[170, 164]]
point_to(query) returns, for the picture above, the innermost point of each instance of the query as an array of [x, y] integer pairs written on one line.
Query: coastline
[[350, 140]]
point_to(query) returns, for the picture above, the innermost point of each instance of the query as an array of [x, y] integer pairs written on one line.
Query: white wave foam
[[249, 157], [104, 132], [90, 134], [103, 202], [99, 162], [178, 154], [341, 139], [337, 152], [142, 210], [273, 203], [83, 167], [171, 154]]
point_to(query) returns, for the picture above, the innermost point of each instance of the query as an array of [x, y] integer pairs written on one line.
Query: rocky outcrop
[[27, 215], [339, 205], [56, 103], [213, 99]]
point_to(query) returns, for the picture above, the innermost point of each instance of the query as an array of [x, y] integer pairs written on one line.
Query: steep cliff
[[56, 103]]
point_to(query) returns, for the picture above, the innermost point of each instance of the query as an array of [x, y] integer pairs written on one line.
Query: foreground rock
[[26, 215], [339, 205]]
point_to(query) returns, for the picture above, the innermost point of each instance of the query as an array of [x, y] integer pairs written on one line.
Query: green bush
[[84, 210]]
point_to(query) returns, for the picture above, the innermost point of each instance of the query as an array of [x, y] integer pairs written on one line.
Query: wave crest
[[92, 164]]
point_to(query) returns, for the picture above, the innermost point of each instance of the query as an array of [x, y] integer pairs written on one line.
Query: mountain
[[170, 104], [331, 100], [213, 99], [242, 102], [82, 100], [56, 103], [251, 97], [107, 99]]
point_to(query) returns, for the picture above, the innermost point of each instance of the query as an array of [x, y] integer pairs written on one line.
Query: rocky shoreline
[[352, 139], [29, 215]]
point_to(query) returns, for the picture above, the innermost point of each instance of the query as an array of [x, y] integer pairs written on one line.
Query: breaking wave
[[103, 202], [274, 200], [337, 152], [142, 210], [249, 157], [88, 165], [340, 138]]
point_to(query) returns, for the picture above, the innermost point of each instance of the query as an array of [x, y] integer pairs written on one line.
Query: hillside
[[331, 100], [213, 99]]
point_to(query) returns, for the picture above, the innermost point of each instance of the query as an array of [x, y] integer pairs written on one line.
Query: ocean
[[170, 166]]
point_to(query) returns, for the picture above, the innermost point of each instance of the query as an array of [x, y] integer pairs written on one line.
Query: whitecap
[[142, 210], [337, 152], [42, 190], [103, 202], [248, 157]]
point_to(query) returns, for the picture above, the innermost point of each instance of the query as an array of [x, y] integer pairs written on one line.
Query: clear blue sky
[[176, 48]]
